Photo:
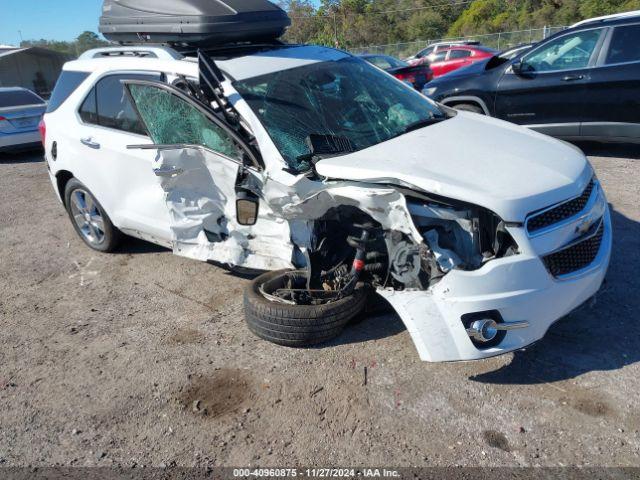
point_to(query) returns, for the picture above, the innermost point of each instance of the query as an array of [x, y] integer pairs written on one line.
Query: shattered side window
[[173, 121]]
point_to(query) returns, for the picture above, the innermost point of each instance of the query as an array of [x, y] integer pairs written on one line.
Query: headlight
[[429, 91]]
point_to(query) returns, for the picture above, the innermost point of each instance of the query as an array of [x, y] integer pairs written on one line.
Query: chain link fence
[[500, 41]]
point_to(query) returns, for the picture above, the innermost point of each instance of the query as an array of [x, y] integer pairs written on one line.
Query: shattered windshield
[[347, 98]]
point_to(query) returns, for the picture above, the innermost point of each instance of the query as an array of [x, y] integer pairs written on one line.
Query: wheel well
[[332, 253], [468, 101], [62, 178]]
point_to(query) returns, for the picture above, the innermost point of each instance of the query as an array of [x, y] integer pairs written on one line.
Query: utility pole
[[21, 40]]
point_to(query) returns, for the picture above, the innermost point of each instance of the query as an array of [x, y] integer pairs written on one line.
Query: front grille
[[576, 257], [561, 212]]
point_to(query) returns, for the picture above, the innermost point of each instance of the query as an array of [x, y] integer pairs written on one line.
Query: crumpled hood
[[508, 169]]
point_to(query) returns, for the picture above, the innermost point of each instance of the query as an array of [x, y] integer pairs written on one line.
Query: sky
[[48, 19]]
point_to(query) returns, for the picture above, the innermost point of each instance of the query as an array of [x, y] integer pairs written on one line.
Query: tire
[[469, 107], [298, 325], [91, 222]]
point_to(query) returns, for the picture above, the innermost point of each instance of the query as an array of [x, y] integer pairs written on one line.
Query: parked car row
[[454, 58], [439, 47], [580, 84]]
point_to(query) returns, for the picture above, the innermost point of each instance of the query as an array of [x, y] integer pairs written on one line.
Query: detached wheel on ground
[[89, 219], [273, 317], [469, 107]]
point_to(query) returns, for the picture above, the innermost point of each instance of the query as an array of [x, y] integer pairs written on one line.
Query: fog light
[[486, 330], [483, 330]]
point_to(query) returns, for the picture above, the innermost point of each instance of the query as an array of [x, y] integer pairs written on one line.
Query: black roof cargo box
[[192, 23]]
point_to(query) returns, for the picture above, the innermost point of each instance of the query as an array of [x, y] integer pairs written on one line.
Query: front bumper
[[519, 287]]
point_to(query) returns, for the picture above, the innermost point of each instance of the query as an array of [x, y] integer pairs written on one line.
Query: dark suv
[[580, 84]]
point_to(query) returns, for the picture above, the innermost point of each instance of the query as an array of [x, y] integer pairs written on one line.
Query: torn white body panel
[[200, 196]]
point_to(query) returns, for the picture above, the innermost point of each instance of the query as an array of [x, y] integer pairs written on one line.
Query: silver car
[[21, 111]]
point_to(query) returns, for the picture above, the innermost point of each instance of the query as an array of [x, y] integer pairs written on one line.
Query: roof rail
[[159, 52], [615, 16]]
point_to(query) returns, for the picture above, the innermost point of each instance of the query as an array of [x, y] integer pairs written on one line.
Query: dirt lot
[[143, 358]]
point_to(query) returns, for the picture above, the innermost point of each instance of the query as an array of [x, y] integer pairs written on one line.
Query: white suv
[[338, 180]]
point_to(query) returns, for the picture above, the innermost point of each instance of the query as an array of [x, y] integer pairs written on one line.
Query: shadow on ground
[[135, 246], [378, 321], [601, 335], [27, 156], [610, 150]]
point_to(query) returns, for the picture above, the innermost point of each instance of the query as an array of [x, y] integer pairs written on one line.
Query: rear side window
[[16, 98], [425, 52], [89, 110], [439, 57], [459, 54], [67, 83], [380, 62], [624, 45], [108, 104]]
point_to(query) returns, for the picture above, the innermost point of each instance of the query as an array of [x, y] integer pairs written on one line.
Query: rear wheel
[[469, 107], [89, 219], [272, 314]]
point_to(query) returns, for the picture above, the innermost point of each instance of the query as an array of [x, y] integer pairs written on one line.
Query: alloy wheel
[[87, 216]]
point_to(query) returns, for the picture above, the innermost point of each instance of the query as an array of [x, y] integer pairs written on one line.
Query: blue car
[[20, 113]]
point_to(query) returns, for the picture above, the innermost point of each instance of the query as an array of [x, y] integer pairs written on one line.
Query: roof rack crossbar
[[615, 16], [159, 52]]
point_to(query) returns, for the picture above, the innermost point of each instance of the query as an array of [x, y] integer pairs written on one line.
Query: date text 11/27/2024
[[315, 473]]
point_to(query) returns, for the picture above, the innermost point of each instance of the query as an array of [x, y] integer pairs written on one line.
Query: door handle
[[572, 78], [90, 143], [168, 172]]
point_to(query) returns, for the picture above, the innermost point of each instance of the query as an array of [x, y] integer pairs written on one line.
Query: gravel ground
[[143, 358]]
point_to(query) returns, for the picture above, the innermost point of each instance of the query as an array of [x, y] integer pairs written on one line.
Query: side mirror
[[247, 207], [517, 67]]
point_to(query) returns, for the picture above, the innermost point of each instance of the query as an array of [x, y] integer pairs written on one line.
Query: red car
[[417, 76], [451, 59]]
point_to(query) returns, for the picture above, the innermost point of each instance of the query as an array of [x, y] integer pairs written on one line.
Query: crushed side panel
[[201, 203]]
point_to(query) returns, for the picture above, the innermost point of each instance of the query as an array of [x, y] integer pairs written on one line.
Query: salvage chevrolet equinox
[[339, 181]]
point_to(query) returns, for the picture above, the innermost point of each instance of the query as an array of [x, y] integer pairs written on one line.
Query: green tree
[[88, 40], [85, 41]]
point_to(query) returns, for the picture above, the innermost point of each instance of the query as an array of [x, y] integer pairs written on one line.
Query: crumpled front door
[[201, 198], [198, 164]]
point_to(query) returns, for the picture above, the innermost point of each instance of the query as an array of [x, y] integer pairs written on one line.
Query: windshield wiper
[[421, 124]]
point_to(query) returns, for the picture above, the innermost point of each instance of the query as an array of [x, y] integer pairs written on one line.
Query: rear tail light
[[406, 77], [2, 118], [42, 128]]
